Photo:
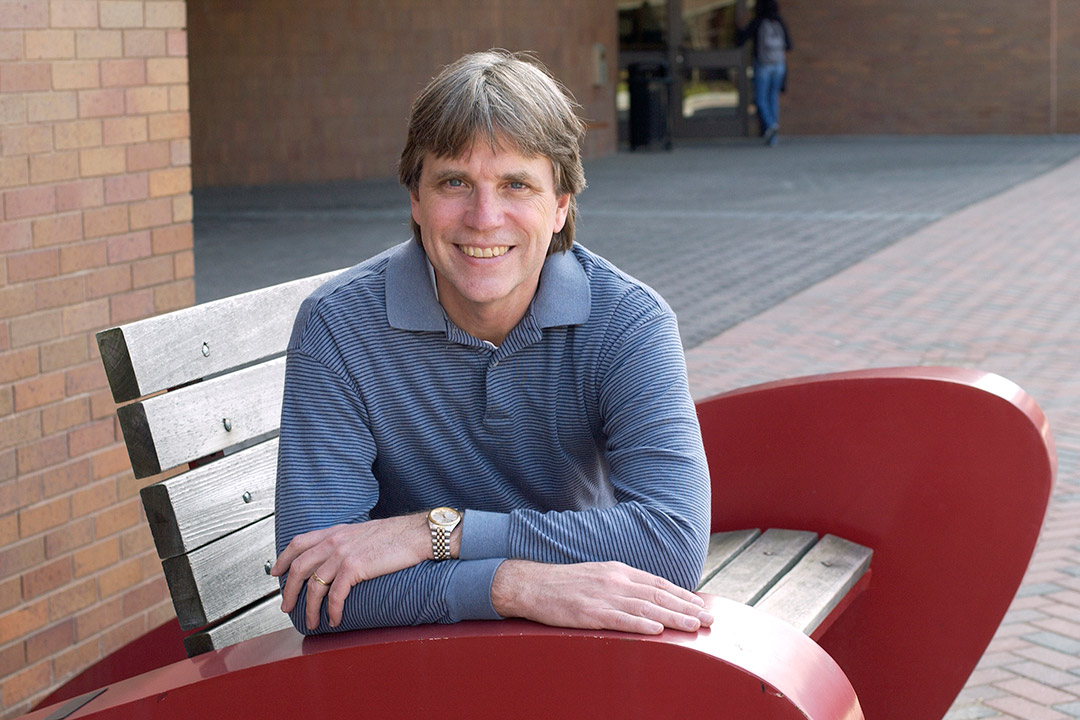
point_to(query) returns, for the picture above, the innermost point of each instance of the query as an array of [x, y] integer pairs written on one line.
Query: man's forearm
[[426, 593], [328, 563], [660, 541]]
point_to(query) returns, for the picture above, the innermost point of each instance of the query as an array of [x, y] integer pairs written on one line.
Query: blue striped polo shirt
[[574, 440]]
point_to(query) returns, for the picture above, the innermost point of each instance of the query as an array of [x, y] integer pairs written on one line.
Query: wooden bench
[[802, 579], [207, 384], [927, 468]]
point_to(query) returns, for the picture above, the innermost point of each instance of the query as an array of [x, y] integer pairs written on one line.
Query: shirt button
[[494, 364]]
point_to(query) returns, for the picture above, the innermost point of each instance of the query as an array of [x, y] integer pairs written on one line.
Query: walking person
[[771, 43]]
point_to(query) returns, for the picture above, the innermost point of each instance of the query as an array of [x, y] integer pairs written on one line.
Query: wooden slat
[[750, 575], [189, 510], [173, 349], [217, 579], [187, 424], [723, 546], [805, 595], [263, 617]]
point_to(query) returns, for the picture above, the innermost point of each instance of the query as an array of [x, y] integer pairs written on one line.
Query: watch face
[[444, 515]]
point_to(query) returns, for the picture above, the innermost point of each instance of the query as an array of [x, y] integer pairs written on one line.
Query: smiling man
[[488, 216], [489, 420]]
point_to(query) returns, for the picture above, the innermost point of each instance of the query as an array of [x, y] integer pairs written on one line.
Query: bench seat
[[792, 575]]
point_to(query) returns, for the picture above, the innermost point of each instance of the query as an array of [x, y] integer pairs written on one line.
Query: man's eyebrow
[[447, 174], [521, 176]]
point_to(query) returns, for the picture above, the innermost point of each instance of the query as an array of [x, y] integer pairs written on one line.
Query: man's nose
[[485, 210]]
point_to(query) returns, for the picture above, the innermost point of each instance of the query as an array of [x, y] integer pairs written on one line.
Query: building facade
[[111, 110], [323, 94]]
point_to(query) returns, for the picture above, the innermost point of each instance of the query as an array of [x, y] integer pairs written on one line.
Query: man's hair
[[498, 97]]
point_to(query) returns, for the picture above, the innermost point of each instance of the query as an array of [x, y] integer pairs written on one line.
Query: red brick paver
[[994, 286]]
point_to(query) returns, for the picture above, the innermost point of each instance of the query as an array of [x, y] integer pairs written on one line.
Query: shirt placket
[[497, 378]]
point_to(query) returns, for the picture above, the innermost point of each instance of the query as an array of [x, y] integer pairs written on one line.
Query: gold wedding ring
[[316, 578]]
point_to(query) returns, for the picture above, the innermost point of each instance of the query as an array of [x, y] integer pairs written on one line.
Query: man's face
[[486, 220]]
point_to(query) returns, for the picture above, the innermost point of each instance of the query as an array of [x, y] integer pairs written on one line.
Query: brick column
[[96, 211]]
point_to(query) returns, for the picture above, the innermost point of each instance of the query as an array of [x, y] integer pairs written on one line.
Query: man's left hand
[[334, 559]]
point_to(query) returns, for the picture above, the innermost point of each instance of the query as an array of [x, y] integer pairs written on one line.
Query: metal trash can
[[649, 91]]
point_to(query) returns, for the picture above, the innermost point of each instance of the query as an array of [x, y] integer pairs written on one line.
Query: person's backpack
[[770, 42]]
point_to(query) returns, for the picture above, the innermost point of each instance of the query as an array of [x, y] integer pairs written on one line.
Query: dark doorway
[[695, 41]]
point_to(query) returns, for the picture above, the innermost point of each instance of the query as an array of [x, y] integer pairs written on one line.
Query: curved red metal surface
[[946, 473], [159, 647], [749, 665]]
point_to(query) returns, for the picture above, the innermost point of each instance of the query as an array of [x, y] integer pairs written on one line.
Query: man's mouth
[[484, 252]]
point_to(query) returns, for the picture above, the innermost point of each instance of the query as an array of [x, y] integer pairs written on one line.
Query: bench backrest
[[206, 383]]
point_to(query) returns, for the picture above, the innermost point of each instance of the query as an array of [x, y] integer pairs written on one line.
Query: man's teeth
[[486, 252]]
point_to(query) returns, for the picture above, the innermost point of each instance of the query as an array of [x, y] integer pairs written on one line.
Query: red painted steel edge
[[749, 665], [945, 473]]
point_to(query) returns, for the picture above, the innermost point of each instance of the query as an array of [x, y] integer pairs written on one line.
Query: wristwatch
[[442, 521]]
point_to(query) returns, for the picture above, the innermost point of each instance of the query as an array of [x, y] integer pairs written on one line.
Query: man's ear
[[562, 206], [414, 205]]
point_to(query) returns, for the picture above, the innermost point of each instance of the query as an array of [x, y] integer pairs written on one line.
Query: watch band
[[440, 543]]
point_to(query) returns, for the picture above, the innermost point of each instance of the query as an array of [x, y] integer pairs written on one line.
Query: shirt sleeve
[[787, 34], [325, 477], [656, 465]]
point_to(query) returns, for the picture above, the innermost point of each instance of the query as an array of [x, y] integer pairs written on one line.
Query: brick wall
[[288, 92], [930, 66], [96, 210], [1067, 64]]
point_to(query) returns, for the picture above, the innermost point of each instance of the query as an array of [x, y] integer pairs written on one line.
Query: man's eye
[[517, 185], [454, 182]]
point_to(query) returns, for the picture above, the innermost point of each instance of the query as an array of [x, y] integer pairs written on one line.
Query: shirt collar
[[562, 297]]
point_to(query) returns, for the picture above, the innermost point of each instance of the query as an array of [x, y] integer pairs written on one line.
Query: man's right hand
[[607, 595]]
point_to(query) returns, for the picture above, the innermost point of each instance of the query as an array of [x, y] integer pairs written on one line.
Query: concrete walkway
[[819, 255], [722, 231]]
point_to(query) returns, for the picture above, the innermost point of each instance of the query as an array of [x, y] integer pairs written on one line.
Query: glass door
[[643, 46], [694, 42], [710, 80]]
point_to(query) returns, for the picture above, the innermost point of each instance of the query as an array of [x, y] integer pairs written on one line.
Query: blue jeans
[[768, 79]]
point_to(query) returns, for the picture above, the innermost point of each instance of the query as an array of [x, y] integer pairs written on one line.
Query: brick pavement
[[994, 286], [763, 225]]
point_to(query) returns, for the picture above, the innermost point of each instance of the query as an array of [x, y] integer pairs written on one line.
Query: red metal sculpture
[[945, 473]]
